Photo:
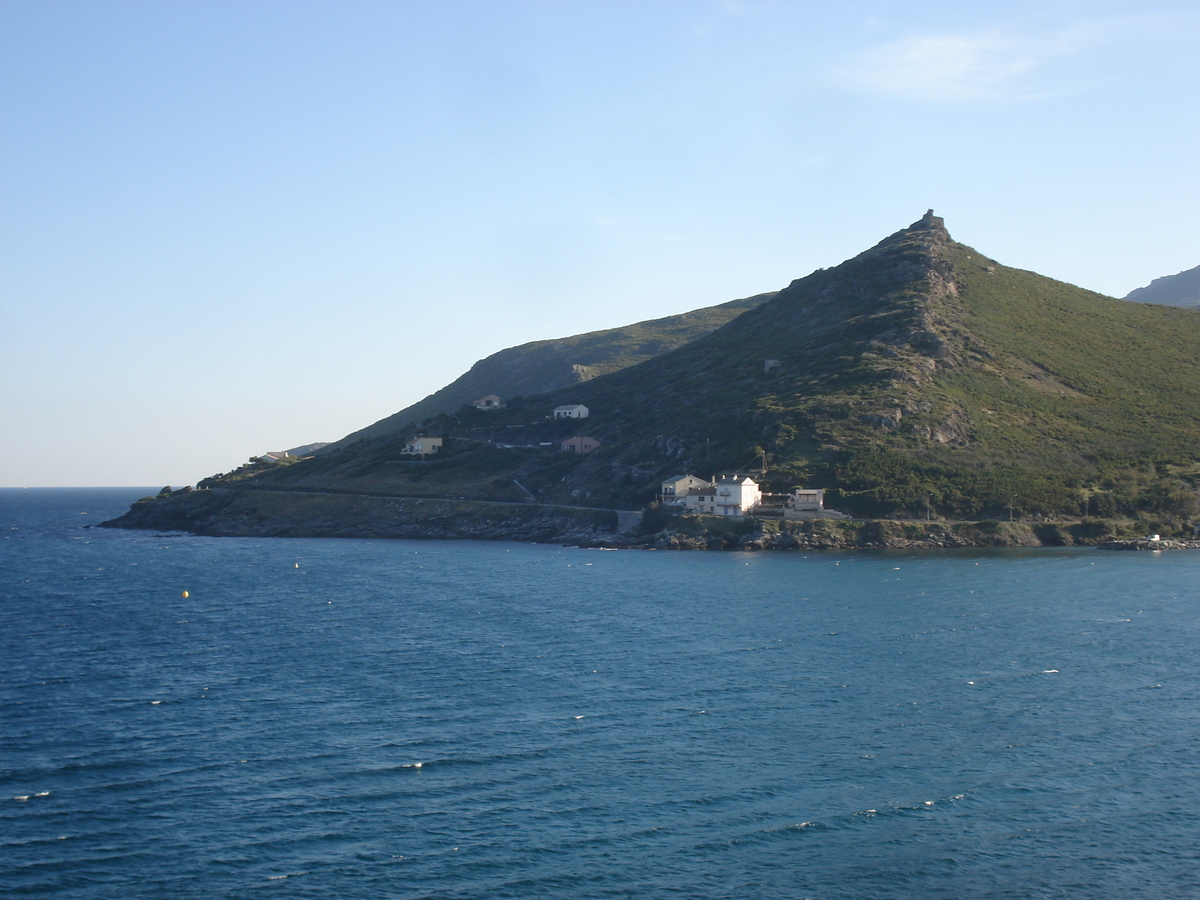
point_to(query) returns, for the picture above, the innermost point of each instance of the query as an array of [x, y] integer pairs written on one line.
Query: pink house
[[579, 444]]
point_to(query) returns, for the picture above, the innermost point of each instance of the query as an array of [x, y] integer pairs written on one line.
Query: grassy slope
[[542, 366], [1082, 395], [909, 374], [1078, 373]]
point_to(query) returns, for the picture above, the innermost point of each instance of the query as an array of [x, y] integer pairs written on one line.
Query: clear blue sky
[[233, 227]]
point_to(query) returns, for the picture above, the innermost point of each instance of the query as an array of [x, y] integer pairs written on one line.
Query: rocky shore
[[255, 513], [715, 533], [272, 513], [1148, 544]]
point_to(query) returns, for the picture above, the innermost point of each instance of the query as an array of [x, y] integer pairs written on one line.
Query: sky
[[234, 227]]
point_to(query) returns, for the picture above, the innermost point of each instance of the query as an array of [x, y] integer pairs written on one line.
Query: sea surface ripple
[[400, 719]]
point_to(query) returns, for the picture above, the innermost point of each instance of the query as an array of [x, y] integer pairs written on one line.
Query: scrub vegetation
[[918, 380]]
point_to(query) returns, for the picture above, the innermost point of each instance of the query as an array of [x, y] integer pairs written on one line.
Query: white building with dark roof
[[737, 495], [700, 500], [730, 495], [571, 411]]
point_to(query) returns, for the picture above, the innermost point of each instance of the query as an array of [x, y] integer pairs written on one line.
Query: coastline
[[266, 513]]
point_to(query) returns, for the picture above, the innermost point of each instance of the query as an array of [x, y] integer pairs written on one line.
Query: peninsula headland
[[920, 394]]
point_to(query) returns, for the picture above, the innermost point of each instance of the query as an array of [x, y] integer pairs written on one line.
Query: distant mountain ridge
[[1171, 290], [543, 366]]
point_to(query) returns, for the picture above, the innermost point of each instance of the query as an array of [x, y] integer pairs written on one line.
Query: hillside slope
[[542, 366], [918, 378], [922, 369], [1171, 290]]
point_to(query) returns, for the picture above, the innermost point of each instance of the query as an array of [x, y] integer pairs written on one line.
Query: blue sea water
[[398, 719]]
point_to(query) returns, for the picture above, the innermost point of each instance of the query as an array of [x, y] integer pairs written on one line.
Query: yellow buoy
[[185, 595]]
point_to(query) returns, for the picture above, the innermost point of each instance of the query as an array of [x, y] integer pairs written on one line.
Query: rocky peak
[[930, 223], [912, 251]]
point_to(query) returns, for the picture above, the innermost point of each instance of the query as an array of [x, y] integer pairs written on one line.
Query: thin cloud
[[950, 67]]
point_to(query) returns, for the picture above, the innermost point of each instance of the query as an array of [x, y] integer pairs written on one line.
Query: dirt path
[[627, 519]]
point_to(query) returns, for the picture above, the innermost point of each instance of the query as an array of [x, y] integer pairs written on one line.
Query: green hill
[[920, 368], [542, 366], [919, 377]]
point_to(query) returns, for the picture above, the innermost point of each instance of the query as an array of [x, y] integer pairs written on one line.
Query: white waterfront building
[[729, 495], [737, 495]]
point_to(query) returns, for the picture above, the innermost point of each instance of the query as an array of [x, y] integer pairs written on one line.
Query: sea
[[193, 717]]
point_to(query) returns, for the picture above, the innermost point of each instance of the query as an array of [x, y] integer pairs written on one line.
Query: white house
[[806, 500], [677, 486], [423, 446], [809, 503], [579, 444], [737, 495], [732, 495], [699, 500], [571, 411], [491, 401]]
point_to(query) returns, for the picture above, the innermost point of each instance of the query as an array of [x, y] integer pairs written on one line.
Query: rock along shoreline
[[1148, 544], [264, 513]]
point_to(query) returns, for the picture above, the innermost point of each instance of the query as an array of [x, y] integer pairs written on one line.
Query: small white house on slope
[[571, 411], [422, 446]]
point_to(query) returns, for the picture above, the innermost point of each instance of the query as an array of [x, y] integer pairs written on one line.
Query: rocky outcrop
[[716, 533], [1147, 544]]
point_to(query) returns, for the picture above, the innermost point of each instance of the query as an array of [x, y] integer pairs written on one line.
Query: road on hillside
[[299, 490]]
